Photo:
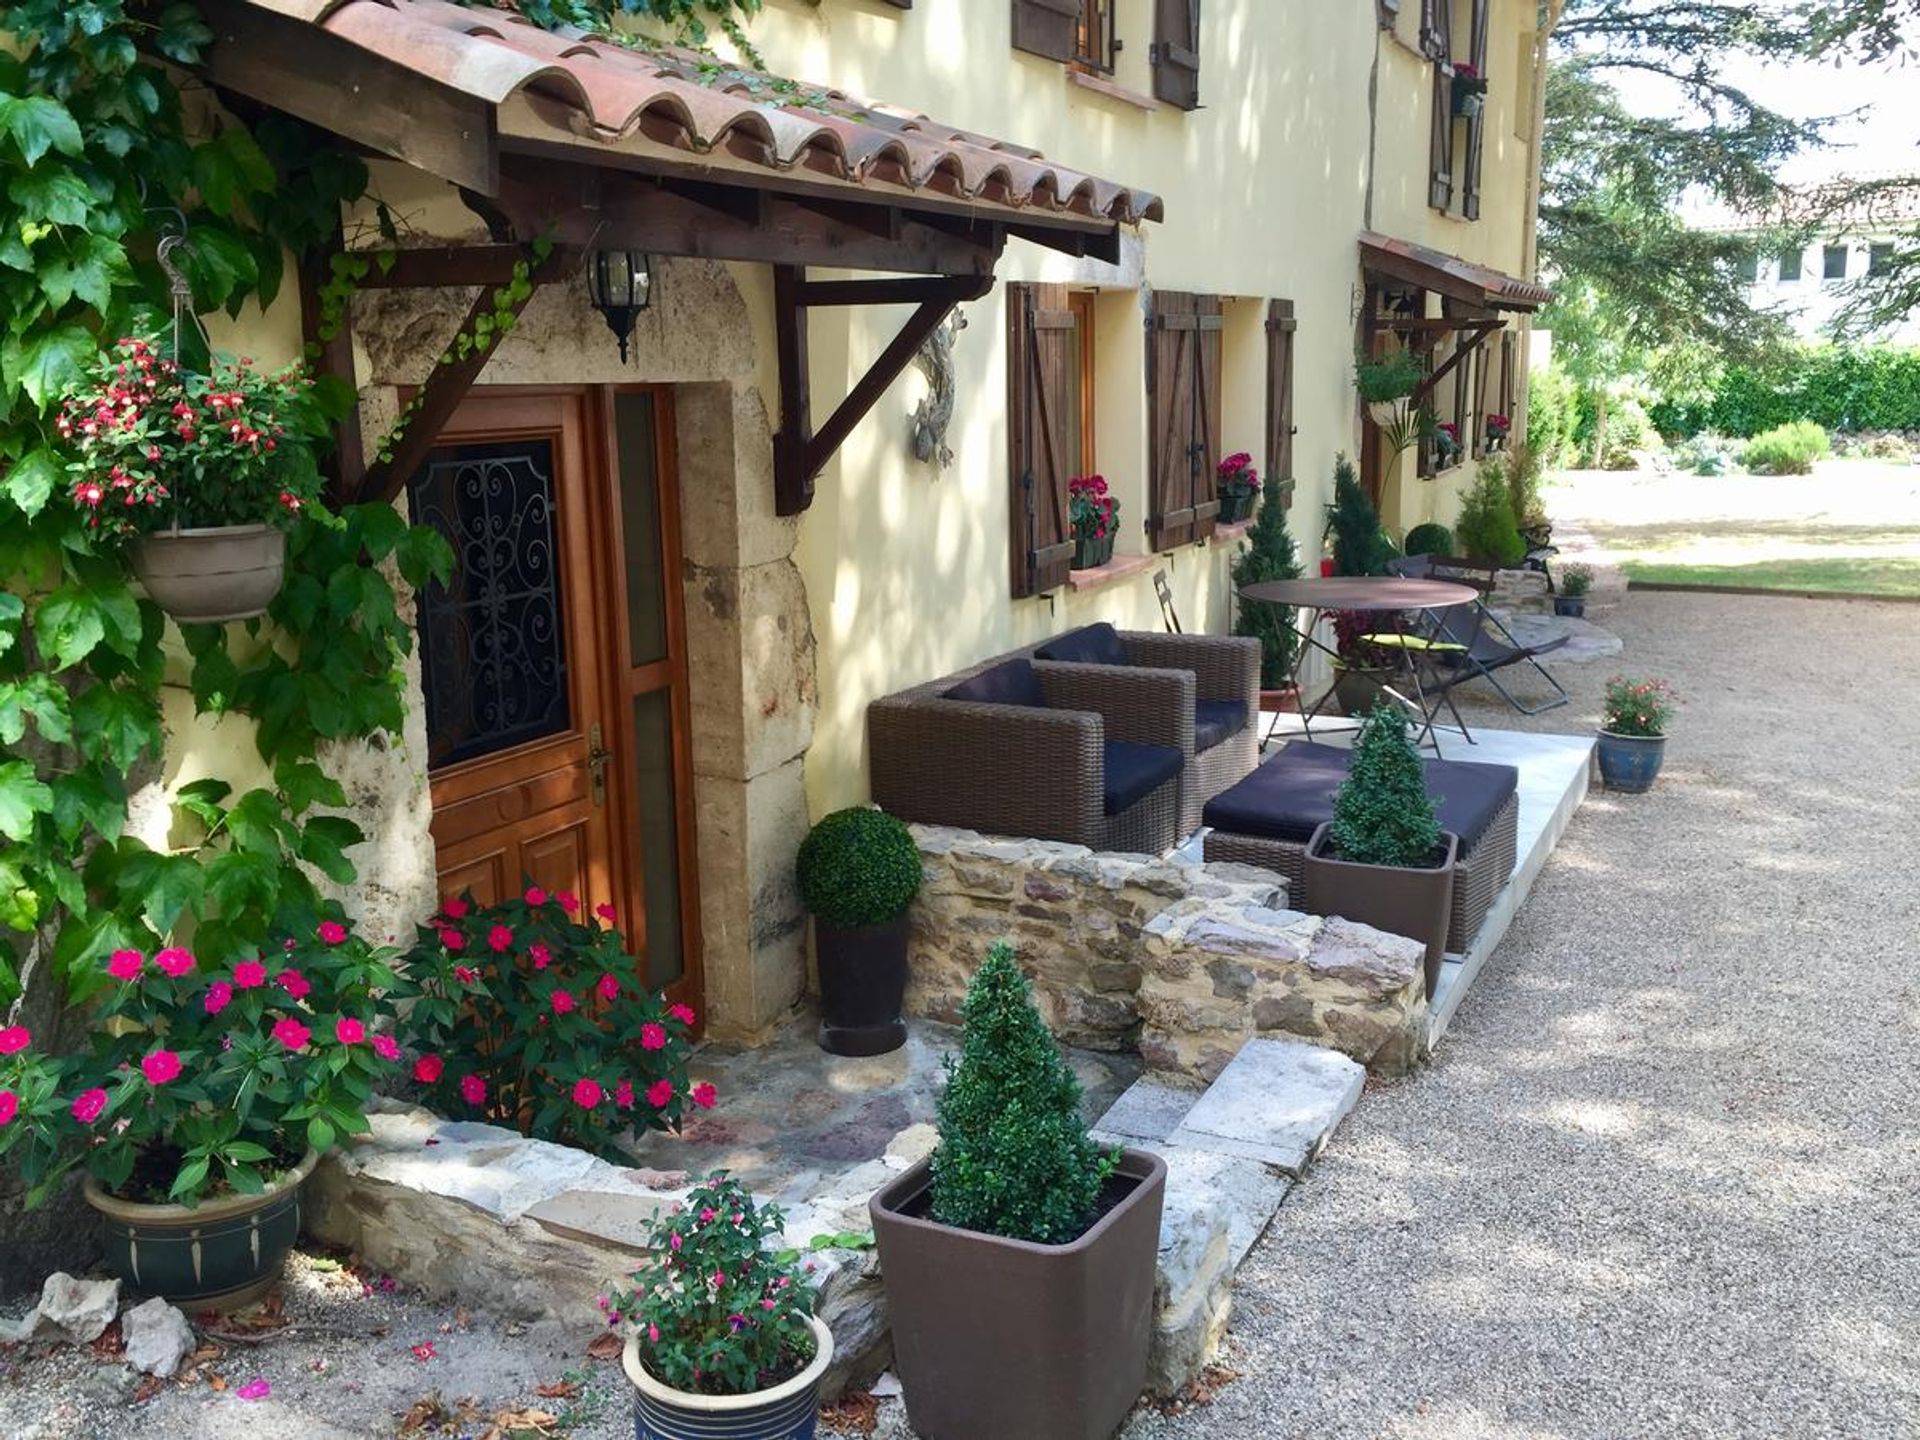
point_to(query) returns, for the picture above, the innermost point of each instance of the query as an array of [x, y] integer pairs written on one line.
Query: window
[[1176, 52], [1080, 385], [1747, 267], [1077, 31], [1789, 266], [1281, 328], [1049, 426], [1880, 258], [1834, 263], [1094, 43]]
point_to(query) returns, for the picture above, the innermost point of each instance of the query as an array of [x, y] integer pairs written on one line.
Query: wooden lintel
[[1476, 334], [1442, 324], [800, 452]]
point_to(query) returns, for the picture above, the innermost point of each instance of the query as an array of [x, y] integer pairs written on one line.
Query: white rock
[[1276, 1102], [157, 1337], [75, 1310]]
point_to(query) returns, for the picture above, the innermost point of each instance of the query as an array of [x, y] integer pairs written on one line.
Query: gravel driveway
[[1664, 1177]]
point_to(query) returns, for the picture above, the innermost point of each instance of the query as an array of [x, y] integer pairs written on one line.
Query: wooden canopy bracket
[[799, 451], [1476, 332]]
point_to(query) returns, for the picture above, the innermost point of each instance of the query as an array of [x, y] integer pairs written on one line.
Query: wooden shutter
[[1039, 349], [1183, 415], [1440, 178], [1436, 29], [1481, 409], [1280, 332], [1176, 52], [1046, 27], [1507, 350], [1476, 127]]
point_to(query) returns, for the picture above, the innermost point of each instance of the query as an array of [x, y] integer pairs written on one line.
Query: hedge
[[1841, 387]]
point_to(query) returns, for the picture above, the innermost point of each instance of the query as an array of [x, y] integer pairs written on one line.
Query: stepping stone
[[1277, 1102], [1148, 1110]]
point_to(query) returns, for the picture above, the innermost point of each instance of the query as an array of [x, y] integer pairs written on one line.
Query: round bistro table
[[1385, 595]]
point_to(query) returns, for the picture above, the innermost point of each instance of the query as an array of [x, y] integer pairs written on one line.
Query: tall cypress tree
[[1269, 554], [1359, 545]]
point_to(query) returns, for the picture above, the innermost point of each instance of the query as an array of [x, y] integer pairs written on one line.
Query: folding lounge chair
[[1471, 643]]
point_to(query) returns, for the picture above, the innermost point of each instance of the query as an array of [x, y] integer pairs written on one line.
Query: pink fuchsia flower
[[88, 1104], [567, 901], [255, 1389], [160, 1067], [333, 932], [9, 1106], [683, 1013], [605, 912], [424, 1350], [14, 1039], [609, 987], [563, 1002], [587, 1092], [659, 1093], [125, 964], [349, 1031], [297, 986], [219, 995], [499, 938], [174, 961], [465, 974], [473, 1089], [541, 956], [249, 975], [653, 1037], [703, 1095], [386, 1047], [535, 895], [623, 1095], [452, 938], [428, 1069], [455, 908], [291, 1033]]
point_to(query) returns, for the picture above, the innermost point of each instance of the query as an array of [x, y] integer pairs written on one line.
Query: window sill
[[1100, 85], [1228, 534], [1121, 567]]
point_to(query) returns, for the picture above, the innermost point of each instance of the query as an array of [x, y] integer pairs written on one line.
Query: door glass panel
[[493, 649], [658, 834], [638, 442]]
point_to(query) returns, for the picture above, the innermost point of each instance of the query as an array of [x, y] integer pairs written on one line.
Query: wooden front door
[[545, 764]]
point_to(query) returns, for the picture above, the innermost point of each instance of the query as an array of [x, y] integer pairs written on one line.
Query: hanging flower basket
[[1389, 414], [210, 576]]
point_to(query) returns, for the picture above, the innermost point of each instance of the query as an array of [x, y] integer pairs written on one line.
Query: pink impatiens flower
[[174, 961], [704, 1095], [291, 1033], [683, 1013], [659, 1093], [563, 1002], [499, 938], [465, 974], [455, 908], [219, 995], [541, 955], [124, 964], [535, 895], [160, 1067], [473, 1089], [333, 932], [9, 1106], [349, 1031], [587, 1092], [604, 911], [452, 939], [609, 987], [567, 901], [249, 975], [14, 1039], [386, 1047], [88, 1104], [297, 986], [623, 1095], [653, 1037], [428, 1068]]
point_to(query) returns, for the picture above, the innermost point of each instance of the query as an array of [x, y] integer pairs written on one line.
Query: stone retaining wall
[[1180, 960]]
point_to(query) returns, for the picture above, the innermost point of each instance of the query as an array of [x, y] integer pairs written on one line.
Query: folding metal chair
[[1471, 643], [1167, 612]]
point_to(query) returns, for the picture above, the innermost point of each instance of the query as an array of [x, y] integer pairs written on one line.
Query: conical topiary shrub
[[1014, 1158], [1269, 554], [1360, 546], [1382, 814]]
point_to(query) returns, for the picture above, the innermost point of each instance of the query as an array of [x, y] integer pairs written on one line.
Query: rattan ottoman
[[1267, 819]]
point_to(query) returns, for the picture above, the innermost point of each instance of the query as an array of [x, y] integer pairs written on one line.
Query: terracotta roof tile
[[597, 93]]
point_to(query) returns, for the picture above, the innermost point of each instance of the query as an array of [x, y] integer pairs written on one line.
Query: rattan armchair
[[1226, 699], [1041, 772]]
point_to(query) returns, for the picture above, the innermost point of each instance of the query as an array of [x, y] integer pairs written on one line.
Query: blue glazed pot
[[1630, 762], [786, 1412]]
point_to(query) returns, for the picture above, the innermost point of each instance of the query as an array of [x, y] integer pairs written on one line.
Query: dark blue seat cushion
[[1135, 771], [1216, 720], [1089, 645], [1011, 682], [1292, 795]]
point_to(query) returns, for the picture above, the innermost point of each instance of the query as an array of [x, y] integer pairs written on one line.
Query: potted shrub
[[1095, 516], [859, 871], [1019, 1258], [1269, 554], [1359, 669], [1633, 732], [1429, 539], [1386, 386], [204, 1099], [522, 1015], [1575, 581], [1239, 482], [1383, 859], [1360, 545], [1469, 89], [722, 1341], [1485, 527], [194, 474]]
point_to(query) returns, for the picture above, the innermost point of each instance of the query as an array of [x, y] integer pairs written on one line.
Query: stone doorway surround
[[749, 635]]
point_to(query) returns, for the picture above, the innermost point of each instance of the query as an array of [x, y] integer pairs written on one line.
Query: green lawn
[[1853, 575]]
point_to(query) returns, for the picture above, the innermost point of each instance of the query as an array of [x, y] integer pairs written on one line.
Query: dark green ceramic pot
[[219, 1255]]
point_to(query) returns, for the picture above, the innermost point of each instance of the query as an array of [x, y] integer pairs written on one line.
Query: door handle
[[597, 757]]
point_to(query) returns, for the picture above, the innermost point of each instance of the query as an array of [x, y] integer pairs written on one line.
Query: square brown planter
[[1401, 901], [1013, 1340]]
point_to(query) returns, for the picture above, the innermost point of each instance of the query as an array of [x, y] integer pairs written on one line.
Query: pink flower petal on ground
[[424, 1350], [255, 1389]]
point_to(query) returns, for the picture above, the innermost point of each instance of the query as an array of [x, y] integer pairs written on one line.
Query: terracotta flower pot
[[1357, 688], [863, 982], [226, 572], [997, 1337], [785, 1412], [219, 1255], [1283, 701], [1397, 899]]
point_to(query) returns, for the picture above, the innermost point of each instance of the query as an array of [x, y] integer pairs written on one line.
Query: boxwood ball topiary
[[859, 867]]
